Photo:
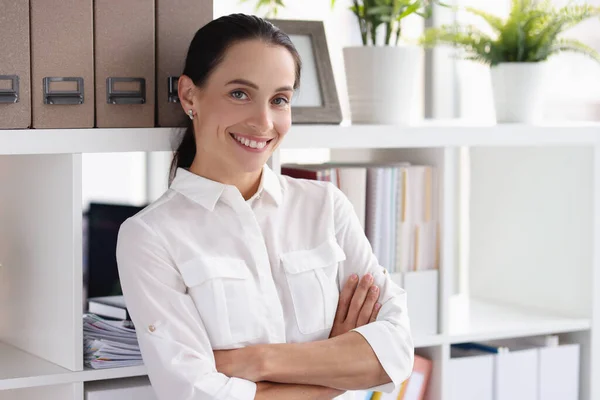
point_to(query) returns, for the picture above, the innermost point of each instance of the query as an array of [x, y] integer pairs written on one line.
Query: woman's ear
[[186, 89]]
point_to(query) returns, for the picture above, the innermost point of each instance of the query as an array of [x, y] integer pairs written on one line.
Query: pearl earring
[[191, 113]]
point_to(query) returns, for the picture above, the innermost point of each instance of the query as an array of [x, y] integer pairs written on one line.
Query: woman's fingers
[[345, 299], [360, 295], [368, 306], [375, 312]]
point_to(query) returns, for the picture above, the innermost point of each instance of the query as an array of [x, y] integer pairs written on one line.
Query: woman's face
[[243, 111]]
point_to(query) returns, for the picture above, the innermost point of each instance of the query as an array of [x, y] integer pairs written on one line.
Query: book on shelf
[[109, 307], [351, 179], [397, 205]]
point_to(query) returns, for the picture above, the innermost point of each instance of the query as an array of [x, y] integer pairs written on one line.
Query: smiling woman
[[243, 284]]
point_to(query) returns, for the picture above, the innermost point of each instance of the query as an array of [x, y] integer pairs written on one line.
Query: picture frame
[[316, 101]]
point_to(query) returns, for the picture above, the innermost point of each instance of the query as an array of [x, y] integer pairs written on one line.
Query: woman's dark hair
[[207, 51]]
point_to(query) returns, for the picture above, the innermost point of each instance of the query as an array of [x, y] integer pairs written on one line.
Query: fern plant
[[531, 33], [373, 14]]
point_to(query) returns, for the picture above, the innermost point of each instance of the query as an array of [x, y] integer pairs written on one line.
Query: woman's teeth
[[250, 143]]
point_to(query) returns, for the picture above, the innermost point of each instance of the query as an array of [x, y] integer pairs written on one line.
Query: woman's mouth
[[255, 144]]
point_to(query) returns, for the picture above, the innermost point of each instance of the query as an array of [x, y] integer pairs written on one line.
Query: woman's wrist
[[262, 355]]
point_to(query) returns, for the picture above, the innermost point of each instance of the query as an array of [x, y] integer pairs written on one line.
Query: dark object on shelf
[[103, 223]]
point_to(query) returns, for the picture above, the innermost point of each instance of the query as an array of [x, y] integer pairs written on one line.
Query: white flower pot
[[382, 83], [518, 91]]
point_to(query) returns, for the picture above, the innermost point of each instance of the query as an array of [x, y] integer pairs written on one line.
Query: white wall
[[114, 178]]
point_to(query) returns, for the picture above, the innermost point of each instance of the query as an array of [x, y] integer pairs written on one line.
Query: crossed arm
[[316, 370]]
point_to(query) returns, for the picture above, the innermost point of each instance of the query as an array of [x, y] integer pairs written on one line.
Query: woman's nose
[[261, 119]]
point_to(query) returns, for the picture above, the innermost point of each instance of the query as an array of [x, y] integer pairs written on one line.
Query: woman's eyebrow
[[255, 86]]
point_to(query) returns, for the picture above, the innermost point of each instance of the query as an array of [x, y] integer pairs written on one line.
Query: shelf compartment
[[40, 253]]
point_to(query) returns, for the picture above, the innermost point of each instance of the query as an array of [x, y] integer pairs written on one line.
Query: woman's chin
[[255, 165]]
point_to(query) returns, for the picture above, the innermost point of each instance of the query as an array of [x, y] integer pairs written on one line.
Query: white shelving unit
[[532, 244]]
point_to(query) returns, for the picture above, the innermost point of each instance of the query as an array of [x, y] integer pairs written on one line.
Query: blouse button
[[151, 328]]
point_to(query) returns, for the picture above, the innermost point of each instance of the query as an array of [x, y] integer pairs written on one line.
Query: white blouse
[[202, 269]]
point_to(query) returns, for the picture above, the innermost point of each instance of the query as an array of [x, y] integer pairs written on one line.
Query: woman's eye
[[238, 95], [280, 101]]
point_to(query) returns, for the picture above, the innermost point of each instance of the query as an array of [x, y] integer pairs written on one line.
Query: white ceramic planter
[[382, 83], [518, 92]]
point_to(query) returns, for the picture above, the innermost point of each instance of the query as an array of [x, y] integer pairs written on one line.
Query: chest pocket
[[223, 290], [312, 279]]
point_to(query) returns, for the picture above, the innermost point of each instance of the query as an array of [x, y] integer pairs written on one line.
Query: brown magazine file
[[62, 64], [176, 23], [15, 92], [124, 60]]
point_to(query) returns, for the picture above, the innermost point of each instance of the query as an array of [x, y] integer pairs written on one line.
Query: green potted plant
[[517, 51], [382, 75]]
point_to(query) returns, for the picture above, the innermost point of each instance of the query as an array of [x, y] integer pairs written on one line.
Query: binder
[[15, 92], [559, 372], [422, 294], [124, 63], [176, 24], [515, 372], [471, 375], [558, 368], [62, 66]]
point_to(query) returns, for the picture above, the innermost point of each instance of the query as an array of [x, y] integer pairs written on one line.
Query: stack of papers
[[109, 344]]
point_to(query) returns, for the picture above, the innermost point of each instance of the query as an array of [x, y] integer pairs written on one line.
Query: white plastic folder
[[559, 372], [471, 376], [516, 375]]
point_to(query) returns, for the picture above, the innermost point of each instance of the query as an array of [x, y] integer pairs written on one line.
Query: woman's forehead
[[258, 61]]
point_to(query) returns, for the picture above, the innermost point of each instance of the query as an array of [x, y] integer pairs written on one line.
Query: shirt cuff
[[242, 389], [395, 354]]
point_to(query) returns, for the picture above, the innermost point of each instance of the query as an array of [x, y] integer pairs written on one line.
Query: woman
[[233, 276]]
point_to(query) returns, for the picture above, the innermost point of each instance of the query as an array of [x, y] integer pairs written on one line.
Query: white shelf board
[[93, 140], [19, 369], [111, 373], [305, 136], [440, 134], [482, 320]]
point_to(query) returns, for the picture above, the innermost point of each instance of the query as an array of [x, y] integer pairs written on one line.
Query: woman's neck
[[246, 182]]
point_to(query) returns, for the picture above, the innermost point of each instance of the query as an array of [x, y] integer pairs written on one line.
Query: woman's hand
[[357, 305]]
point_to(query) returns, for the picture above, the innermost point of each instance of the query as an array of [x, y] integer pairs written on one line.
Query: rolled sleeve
[[394, 355], [172, 337], [390, 336]]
